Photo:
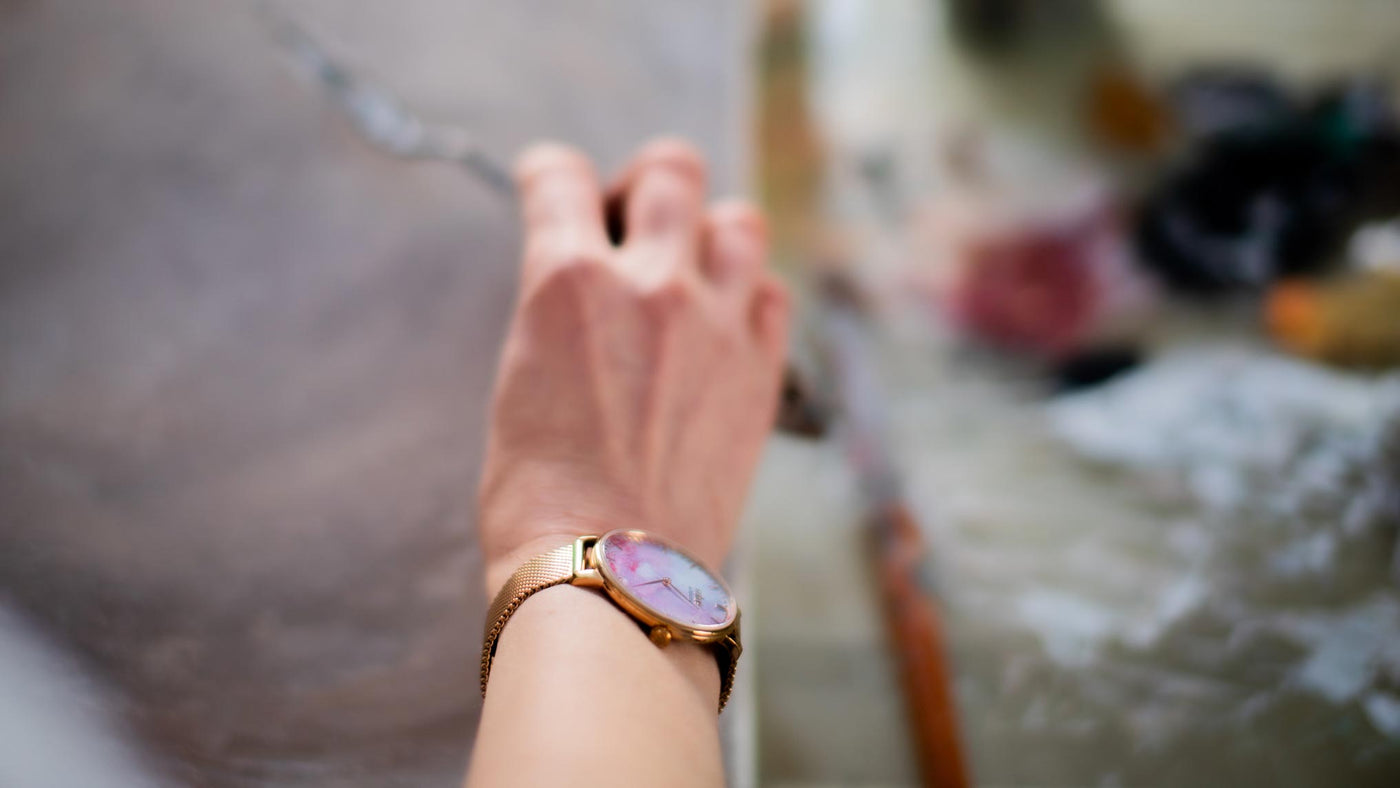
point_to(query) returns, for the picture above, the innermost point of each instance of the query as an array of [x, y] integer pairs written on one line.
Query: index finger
[[560, 199]]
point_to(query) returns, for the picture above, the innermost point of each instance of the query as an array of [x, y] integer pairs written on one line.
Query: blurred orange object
[[1123, 112], [1353, 321]]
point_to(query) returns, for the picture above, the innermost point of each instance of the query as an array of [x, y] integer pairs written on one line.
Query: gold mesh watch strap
[[544, 570], [553, 568], [727, 653]]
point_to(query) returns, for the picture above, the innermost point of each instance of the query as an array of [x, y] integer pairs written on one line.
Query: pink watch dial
[[664, 579]]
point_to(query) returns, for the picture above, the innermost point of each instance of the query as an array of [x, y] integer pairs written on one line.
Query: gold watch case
[[590, 570]]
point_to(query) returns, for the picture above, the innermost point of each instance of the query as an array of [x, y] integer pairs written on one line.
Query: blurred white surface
[[55, 730]]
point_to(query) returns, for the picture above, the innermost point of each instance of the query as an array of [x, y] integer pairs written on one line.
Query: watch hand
[[682, 595], [653, 582]]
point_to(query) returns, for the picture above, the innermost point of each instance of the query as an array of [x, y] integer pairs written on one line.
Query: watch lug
[[732, 643], [585, 571]]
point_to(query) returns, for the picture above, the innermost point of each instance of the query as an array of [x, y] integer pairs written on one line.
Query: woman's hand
[[638, 382]]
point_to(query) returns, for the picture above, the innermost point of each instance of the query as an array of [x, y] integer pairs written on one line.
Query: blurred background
[[1096, 367]]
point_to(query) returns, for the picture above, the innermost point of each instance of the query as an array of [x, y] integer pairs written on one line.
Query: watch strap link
[[727, 653], [543, 571]]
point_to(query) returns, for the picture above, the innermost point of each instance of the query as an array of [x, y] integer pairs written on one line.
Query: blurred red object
[[1028, 254], [1033, 290]]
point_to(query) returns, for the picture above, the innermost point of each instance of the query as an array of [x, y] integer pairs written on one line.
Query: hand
[[638, 382]]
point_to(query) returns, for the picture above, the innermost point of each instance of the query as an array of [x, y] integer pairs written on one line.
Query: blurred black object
[[1272, 188], [1230, 102], [987, 24], [800, 412], [991, 27], [1095, 366]]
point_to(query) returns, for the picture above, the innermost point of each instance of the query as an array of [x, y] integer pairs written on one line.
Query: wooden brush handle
[[916, 638]]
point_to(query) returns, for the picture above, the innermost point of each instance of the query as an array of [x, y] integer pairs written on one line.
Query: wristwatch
[[670, 593]]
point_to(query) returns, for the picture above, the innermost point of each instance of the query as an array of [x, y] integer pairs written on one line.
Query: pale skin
[[636, 388]]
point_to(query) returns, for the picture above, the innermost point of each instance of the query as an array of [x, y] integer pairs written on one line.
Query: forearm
[[579, 696], [636, 388]]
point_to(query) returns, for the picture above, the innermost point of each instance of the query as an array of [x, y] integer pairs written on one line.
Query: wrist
[[568, 619], [537, 507], [498, 568], [618, 565], [528, 508]]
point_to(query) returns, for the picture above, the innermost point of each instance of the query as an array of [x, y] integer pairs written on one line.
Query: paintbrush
[[898, 549], [913, 623]]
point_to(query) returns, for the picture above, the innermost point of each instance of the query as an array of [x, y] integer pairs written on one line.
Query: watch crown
[[660, 635]]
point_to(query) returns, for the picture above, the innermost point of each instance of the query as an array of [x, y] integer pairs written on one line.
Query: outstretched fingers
[[663, 196], [562, 207]]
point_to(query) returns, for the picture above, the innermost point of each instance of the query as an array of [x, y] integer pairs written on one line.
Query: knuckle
[[577, 262], [560, 251], [548, 157], [675, 154], [729, 339], [741, 214], [773, 312], [663, 201], [568, 275], [777, 295], [667, 295]]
